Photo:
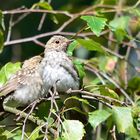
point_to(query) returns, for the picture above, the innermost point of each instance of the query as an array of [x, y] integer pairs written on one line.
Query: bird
[[58, 72], [25, 86], [56, 68], [39, 75]]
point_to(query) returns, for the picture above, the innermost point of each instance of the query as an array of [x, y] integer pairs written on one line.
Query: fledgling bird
[[25, 86], [58, 72], [38, 75], [57, 68]]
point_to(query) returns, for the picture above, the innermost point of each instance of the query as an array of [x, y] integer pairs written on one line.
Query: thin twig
[[98, 100], [113, 82], [83, 92], [37, 11], [25, 120], [9, 29]]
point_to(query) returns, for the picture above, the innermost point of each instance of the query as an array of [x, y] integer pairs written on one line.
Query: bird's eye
[[57, 41]]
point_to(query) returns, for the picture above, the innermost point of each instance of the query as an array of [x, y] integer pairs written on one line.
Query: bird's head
[[57, 43]]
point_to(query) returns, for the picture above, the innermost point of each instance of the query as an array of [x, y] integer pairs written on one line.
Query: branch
[[37, 11], [112, 81], [98, 96]]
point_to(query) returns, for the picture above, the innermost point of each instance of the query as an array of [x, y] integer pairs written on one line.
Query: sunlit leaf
[[79, 99], [119, 23], [80, 68], [91, 45], [46, 6], [122, 117], [107, 63], [97, 117], [72, 130], [8, 70], [108, 92], [96, 24], [71, 47], [35, 134], [120, 34]]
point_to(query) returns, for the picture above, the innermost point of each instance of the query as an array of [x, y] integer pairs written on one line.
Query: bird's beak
[[70, 41]]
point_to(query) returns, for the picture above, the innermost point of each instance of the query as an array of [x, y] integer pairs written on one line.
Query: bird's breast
[[54, 74]]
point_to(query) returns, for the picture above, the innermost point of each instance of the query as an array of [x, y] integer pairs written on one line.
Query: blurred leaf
[[71, 47], [2, 135], [54, 19], [8, 134], [97, 117], [80, 68], [96, 81], [119, 23], [45, 5], [135, 11], [79, 99], [35, 134], [108, 92], [73, 130], [120, 34], [123, 119], [119, 26], [1, 41], [91, 45], [136, 116], [96, 24], [134, 84], [8, 70], [107, 63]]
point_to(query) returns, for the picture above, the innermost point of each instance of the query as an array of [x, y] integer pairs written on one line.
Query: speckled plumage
[[57, 68], [39, 75], [25, 86]]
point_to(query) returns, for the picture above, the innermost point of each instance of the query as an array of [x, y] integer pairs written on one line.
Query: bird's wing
[[21, 77], [17, 80]]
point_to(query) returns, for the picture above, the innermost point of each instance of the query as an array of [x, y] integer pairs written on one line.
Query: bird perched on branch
[[25, 85], [38, 75], [56, 67], [57, 70]]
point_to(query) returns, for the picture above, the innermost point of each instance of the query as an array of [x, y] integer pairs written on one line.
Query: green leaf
[[108, 92], [71, 47], [79, 99], [8, 134], [120, 34], [35, 134], [43, 5], [119, 23], [46, 6], [122, 117], [96, 24], [107, 63], [1, 41], [91, 45], [7, 70], [134, 84], [80, 68], [97, 117], [73, 130]]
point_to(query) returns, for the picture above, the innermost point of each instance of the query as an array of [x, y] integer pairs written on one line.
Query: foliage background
[[113, 73]]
